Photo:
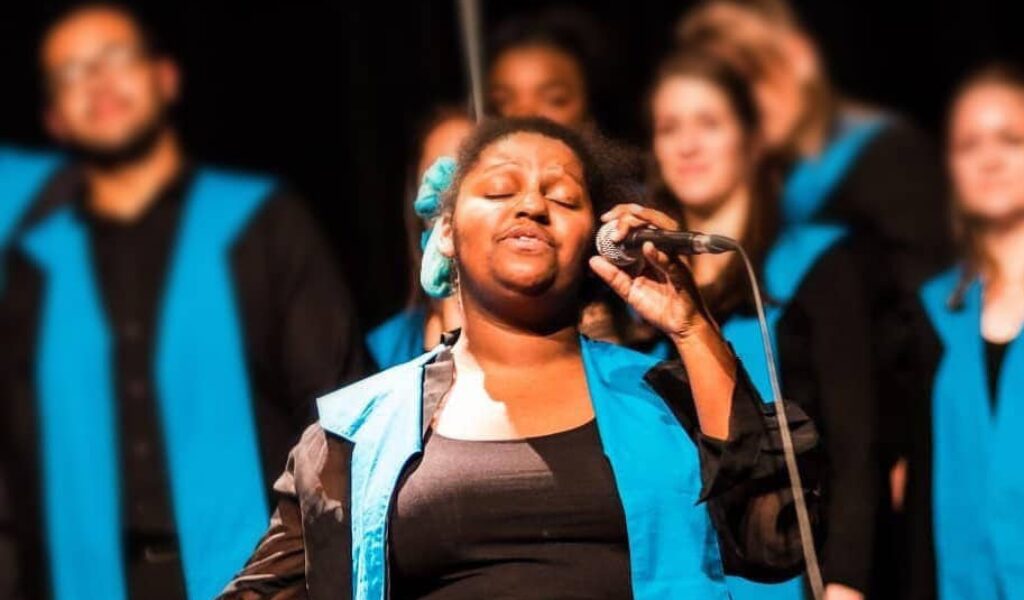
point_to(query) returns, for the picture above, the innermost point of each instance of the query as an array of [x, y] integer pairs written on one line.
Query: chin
[[994, 211], [698, 199]]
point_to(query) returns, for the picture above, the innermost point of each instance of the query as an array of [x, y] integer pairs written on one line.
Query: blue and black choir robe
[[399, 339], [963, 440], [884, 179], [154, 375], [26, 178], [693, 507], [818, 306]]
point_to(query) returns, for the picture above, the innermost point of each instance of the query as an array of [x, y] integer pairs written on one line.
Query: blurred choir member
[[519, 459], [963, 371], [547, 65], [850, 164], [165, 329], [418, 327], [712, 171]]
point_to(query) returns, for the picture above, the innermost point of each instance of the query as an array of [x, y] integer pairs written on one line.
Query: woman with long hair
[[711, 172], [962, 371], [522, 460]]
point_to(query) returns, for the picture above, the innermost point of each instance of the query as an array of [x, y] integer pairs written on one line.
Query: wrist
[[695, 332]]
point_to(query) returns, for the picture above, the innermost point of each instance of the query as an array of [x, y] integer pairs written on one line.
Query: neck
[[728, 217], [1003, 249], [487, 341], [126, 191]]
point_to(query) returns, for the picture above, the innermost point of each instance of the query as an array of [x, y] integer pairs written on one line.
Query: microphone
[[627, 251]]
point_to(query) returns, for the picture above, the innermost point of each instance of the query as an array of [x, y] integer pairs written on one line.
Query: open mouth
[[527, 238]]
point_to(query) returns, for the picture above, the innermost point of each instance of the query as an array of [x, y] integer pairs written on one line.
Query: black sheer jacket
[[306, 553]]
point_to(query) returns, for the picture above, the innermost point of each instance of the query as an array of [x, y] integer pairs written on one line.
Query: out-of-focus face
[[522, 226], [781, 62], [538, 81], [782, 101], [986, 151], [443, 140], [104, 89], [699, 143]]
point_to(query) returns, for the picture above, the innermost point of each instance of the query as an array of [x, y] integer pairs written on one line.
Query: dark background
[[327, 93]]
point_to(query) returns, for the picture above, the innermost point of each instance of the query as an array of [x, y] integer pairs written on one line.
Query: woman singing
[[520, 460]]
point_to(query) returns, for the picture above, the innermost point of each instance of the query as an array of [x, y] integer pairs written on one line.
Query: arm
[[22, 559], [307, 552], [744, 477], [665, 295], [742, 463], [277, 568]]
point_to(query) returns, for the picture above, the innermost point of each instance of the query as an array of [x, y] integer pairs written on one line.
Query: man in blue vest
[[166, 327]]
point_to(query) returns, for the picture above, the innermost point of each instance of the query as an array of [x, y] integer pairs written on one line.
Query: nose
[[533, 206], [689, 143], [521, 109], [991, 160]]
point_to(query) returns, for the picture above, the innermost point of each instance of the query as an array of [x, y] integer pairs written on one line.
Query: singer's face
[[986, 151], [522, 224], [701, 149], [104, 88], [538, 81]]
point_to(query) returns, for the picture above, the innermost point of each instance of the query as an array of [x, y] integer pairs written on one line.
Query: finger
[[660, 261], [617, 211], [616, 278], [626, 223], [652, 216]]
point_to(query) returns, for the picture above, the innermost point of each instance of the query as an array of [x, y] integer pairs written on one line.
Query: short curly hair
[[605, 168]]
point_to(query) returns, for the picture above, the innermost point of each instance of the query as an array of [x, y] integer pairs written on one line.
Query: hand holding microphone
[[657, 285]]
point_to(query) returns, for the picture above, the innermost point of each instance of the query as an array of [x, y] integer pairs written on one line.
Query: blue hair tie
[[436, 180], [436, 268]]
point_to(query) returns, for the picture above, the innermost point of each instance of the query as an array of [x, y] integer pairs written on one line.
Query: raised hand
[[662, 290]]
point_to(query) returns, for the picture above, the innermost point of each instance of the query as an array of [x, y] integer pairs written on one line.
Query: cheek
[[576, 231], [990, 182], [728, 157]]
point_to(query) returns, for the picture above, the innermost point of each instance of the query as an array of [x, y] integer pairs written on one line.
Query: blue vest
[[399, 339], [22, 176], [787, 264], [812, 180], [978, 481], [673, 547], [209, 430]]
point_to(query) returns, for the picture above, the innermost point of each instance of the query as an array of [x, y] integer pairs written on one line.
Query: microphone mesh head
[[615, 252]]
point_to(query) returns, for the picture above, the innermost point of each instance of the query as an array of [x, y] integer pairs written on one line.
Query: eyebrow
[[551, 85], [564, 170], [504, 163]]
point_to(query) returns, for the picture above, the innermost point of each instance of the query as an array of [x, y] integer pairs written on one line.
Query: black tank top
[[533, 518]]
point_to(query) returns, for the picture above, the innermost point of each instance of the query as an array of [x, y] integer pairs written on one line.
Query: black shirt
[[474, 517], [995, 352], [300, 341]]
